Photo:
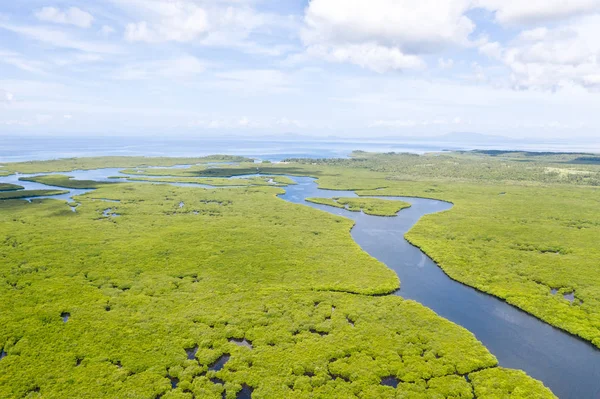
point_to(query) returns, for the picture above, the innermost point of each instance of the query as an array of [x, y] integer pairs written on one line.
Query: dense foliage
[[370, 206], [473, 166], [142, 301], [516, 231], [70, 164], [523, 240]]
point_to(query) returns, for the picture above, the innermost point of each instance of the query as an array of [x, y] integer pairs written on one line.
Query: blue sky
[[319, 67]]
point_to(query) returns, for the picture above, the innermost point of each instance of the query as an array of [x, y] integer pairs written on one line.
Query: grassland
[[370, 206], [518, 230], [10, 187], [70, 164], [8, 195], [141, 305], [64, 181]]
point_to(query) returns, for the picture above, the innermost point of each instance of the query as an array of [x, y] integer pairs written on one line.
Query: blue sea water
[[17, 149], [29, 148]]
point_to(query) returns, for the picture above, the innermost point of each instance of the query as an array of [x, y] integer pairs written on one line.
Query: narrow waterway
[[567, 365]]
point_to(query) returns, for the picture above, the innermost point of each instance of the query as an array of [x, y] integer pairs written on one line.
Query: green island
[[370, 206], [205, 171], [524, 226], [276, 181], [7, 195], [10, 187], [64, 181], [157, 291]]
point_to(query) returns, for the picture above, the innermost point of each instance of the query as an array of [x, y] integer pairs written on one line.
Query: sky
[[347, 68]]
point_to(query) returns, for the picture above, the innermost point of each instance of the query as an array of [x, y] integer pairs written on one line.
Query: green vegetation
[[473, 167], [95, 306], [64, 181], [370, 206], [7, 195], [10, 187], [518, 228], [201, 171], [276, 181], [70, 164], [494, 383]]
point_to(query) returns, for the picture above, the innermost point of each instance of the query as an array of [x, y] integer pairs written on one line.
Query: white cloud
[[445, 63], [107, 30], [210, 23], [368, 55], [512, 12], [180, 21], [19, 61], [71, 16], [550, 58], [61, 39], [385, 34]]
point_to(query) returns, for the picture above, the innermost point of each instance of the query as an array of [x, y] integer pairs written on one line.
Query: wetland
[[309, 311]]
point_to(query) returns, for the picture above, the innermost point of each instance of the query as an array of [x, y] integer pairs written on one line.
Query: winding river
[[570, 367], [567, 365]]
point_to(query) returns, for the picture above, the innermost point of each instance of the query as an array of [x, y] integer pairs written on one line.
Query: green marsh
[[370, 206]]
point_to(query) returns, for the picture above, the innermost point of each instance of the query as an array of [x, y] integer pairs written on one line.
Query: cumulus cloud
[[71, 16], [558, 48], [550, 58], [384, 35], [170, 21], [368, 55], [511, 12], [212, 23]]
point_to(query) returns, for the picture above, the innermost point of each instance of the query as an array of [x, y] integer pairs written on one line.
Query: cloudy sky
[[323, 67]]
